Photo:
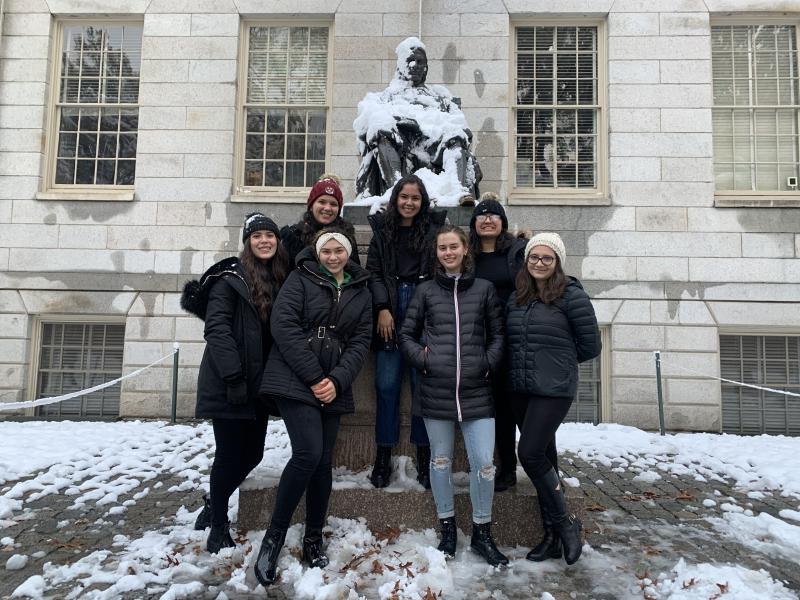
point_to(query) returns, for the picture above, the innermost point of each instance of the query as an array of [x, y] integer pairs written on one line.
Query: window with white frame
[[557, 107], [97, 112], [76, 356], [756, 101], [285, 110]]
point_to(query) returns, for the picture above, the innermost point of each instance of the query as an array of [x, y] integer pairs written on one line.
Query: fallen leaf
[[377, 568]]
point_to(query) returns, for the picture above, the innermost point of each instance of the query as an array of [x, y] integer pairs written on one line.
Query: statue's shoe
[[467, 200]]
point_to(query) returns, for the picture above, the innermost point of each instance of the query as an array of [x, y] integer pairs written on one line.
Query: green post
[[657, 355], [175, 358]]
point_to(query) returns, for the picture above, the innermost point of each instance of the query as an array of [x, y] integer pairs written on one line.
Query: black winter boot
[[203, 520], [566, 526], [483, 544], [266, 566], [449, 537], [505, 480], [382, 470], [219, 537], [424, 466], [550, 546], [312, 548]]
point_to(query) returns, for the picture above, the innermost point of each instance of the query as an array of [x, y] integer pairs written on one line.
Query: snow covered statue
[[412, 127]]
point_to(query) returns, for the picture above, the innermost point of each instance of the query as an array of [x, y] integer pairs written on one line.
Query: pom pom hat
[[552, 241], [489, 204], [327, 185]]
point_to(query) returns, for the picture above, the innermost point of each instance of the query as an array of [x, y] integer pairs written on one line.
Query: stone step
[[516, 511]]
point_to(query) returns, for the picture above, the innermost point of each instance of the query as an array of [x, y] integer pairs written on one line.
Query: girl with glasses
[[550, 328]]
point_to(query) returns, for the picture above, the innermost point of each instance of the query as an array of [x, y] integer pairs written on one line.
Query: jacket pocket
[[555, 371]]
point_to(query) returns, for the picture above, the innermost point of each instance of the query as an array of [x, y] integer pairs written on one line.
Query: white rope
[[102, 386], [749, 385]]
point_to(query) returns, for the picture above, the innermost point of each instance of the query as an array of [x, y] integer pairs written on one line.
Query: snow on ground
[[763, 462]]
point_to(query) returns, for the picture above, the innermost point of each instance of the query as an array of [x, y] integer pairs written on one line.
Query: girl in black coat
[[399, 259], [550, 328], [498, 258], [323, 210], [322, 326], [235, 298], [461, 323]]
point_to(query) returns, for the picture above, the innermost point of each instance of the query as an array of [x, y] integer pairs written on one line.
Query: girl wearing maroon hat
[[323, 210]]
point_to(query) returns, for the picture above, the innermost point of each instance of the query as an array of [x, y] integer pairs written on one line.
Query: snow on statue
[[412, 127]]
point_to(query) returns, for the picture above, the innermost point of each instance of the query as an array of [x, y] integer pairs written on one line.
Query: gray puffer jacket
[[547, 341], [453, 334]]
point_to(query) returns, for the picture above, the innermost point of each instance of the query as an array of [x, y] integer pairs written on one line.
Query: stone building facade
[[675, 196]]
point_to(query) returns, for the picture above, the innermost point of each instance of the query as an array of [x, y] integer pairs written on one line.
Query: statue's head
[[412, 61]]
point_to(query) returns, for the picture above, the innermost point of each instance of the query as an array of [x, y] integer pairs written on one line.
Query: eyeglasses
[[545, 260], [487, 217]]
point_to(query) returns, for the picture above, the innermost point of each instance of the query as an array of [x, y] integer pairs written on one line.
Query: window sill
[[523, 199], [271, 197], [87, 195], [757, 201]]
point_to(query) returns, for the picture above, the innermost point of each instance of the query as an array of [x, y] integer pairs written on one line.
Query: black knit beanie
[[258, 222], [490, 206]]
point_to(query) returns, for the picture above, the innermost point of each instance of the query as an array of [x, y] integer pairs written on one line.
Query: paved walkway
[[643, 527]]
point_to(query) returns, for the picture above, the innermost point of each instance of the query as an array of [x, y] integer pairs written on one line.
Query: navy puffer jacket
[[461, 324], [545, 343]]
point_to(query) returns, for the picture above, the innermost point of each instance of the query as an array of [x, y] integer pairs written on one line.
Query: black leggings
[[505, 427], [312, 433], [539, 418], [239, 448]]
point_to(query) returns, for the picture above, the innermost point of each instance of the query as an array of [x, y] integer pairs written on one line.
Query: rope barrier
[[55, 399]]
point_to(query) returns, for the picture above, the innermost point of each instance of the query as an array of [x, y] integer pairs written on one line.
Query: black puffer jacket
[[233, 340], [318, 332], [382, 265], [461, 323], [547, 341], [292, 236]]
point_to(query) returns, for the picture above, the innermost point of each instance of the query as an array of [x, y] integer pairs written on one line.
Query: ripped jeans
[[479, 441]]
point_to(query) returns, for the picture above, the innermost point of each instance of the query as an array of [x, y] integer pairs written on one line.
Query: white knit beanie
[[552, 241], [333, 235]]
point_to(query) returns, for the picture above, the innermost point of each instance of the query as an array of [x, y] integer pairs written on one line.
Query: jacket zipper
[[458, 348]]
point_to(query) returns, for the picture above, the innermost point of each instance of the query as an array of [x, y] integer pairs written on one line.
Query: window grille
[[586, 405]]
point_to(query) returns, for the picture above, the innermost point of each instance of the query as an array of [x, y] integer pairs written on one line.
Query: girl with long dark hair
[[235, 298], [550, 328], [399, 259], [453, 333]]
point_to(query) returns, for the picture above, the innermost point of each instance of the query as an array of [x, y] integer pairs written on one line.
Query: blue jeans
[[389, 369], [479, 441]]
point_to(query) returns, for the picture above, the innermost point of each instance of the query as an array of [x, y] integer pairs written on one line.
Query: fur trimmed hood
[[194, 297]]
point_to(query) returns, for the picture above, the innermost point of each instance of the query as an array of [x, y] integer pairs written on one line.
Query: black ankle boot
[[382, 470], [219, 537], [505, 480], [424, 466], [447, 545], [550, 546], [266, 566], [483, 544], [204, 518], [566, 526], [312, 548]]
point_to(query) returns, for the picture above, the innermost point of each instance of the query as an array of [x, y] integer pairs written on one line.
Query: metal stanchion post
[[657, 356], [175, 359]]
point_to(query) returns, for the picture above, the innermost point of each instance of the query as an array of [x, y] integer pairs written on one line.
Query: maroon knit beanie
[[325, 186]]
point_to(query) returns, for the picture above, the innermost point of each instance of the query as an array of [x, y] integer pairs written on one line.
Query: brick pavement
[[646, 527]]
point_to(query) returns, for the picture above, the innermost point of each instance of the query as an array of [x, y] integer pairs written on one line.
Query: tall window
[[756, 105], [97, 105], [556, 109], [76, 356], [286, 106]]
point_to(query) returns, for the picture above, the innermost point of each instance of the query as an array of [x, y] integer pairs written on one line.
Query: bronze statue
[[412, 126]]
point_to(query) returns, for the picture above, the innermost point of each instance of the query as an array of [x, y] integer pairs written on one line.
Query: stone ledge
[[517, 521]]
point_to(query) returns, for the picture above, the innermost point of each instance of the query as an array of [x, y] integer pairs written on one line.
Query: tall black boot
[[382, 470], [550, 546], [566, 526], [266, 566], [312, 548], [447, 545], [424, 466], [204, 518], [219, 537], [483, 544]]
